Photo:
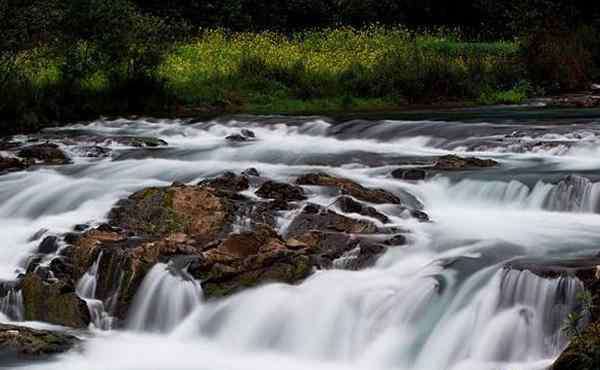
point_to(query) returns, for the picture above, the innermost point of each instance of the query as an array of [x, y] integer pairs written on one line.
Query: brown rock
[[346, 186], [454, 163], [281, 192]]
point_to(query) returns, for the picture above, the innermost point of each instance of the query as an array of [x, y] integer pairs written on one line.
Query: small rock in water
[[248, 133], [47, 153], [281, 191], [453, 162], [228, 181], [49, 245], [413, 174], [81, 227], [349, 205], [251, 172]]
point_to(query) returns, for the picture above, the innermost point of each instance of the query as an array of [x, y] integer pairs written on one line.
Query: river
[[443, 301]]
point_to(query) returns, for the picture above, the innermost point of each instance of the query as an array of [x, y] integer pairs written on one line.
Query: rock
[[413, 174], [195, 210], [37, 235], [21, 343], [246, 260], [53, 302], [349, 205], [94, 151], [8, 164], [251, 172], [81, 227], [237, 138], [419, 215], [314, 217], [243, 136], [281, 192], [228, 181], [396, 240], [141, 142], [581, 353], [377, 196], [47, 153], [49, 245], [248, 133], [454, 163]]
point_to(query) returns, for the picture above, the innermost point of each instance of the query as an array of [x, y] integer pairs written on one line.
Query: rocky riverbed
[[391, 235]]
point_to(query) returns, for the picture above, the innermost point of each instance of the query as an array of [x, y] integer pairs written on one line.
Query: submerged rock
[[453, 162], [413, 174], [21, 343], [315, 217], [346, 186], [48, 153], [243, 136]]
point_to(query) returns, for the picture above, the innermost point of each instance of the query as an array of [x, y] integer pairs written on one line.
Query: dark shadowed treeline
[[77, 59]]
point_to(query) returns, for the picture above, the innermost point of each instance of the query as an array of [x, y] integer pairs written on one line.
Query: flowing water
[[443, 301]]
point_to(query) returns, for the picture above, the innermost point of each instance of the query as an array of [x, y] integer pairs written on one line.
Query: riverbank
[[317, 72]]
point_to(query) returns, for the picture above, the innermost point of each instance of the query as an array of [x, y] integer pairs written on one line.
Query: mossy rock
[[53, 302], [18, 342]]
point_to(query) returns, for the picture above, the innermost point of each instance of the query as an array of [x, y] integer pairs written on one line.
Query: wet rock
[[246, 260], [228, 181], [243, 136], [349, 205], [346, 186], [419, 215], [396, 240], [248, 133], [49, 245], [9, 164], [252, 172], [454, 162], [47, 153], [38, 235], [413, 174], [141, 142], [195, 210], [81, 227], [314, 217], [281, 192], [21, 343], [94, 151], [54, 302]]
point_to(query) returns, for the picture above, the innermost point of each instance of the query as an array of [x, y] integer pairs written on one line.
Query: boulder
[[349, 187], [247, 259], [21, 343], [455, 163], [195, 210], [54, 302], [243, 136], [47, 153], [281, 192], [349, 205]]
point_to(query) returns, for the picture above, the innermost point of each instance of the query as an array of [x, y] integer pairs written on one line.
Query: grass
[[332, 70], [336, 69]]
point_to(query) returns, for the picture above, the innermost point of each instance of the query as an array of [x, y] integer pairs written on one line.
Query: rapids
[[443, 301]]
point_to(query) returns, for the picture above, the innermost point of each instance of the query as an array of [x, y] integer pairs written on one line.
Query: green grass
[[333, 70]]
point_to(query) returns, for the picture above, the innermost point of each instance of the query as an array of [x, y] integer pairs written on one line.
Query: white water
[[163, 300], [441, 302]]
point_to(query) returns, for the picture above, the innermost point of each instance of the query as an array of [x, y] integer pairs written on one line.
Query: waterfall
[[571, 194], [11, 305], [86, 290], [164, 299]]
